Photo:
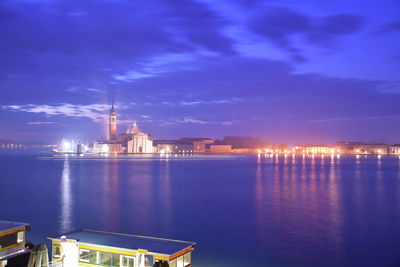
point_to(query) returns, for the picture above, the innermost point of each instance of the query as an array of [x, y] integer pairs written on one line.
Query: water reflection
[[303, 205], [66, 199], [164, 193], [141, 196], [110, 206]]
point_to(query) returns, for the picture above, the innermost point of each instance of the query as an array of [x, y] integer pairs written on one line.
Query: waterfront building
[[349, 148], [374, 148], [316, 149], [199, 144], [137, 141], [12, 243], [215, 149], [395, 149], [131, 141], [182, 146], [98, 248]]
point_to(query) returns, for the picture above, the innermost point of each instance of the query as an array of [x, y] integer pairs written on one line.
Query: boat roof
[[6, 226], [127, 241]]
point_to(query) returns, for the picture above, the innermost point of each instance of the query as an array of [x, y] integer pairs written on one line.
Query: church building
[[132, 141]]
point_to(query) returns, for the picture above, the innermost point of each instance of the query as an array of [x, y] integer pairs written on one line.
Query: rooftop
[[6, 226], [127, 241]]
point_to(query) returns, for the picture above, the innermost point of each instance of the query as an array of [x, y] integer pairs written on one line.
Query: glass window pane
[[179, 262], [172, 263], [186, 259], [56, 251], [115, 259], [20, 237], [148, 260], [84, 255], [93, 256], [128, 261], [105, 258]]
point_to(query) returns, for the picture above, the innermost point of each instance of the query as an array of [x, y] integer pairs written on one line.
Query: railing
[[56, 263]]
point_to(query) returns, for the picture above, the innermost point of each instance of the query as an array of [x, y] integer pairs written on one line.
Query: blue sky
[[285, 71]]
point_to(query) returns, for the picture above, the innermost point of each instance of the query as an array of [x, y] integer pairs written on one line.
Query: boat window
[[128, 261], [172, 263], [115, 260], [105, 258], [56, 251], [20, 237], [84, 255], [94, 257], [89, 256], [186, 259], [179, 262], [148, 261]]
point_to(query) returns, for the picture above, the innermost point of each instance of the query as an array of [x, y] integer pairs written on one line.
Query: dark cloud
[[326, 31], [122, 29], [390, 27], [279, 25]]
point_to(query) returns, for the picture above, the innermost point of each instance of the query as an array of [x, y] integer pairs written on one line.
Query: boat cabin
[[98, 248], [12, 241]]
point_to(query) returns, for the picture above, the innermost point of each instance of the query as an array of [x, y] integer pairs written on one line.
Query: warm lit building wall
[[395, 149], [220, 148]]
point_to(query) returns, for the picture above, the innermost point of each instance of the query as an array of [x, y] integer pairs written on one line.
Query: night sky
[[300, 71]]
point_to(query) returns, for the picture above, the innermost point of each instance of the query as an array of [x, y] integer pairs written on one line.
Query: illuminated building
[[395, 149], [137, 141], [215, 149], [315, 149], [98, 248], [183, 145], [112, 124], [131, 141], [349, 148]]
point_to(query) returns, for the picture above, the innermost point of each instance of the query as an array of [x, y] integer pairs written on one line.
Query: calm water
[[241, 210]]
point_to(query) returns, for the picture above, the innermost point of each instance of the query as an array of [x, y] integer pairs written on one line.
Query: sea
[[241, 210]]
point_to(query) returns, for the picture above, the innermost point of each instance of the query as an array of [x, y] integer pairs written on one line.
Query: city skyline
[[287, 72]]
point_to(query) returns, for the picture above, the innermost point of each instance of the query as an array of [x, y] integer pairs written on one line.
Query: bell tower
[[112, 130]]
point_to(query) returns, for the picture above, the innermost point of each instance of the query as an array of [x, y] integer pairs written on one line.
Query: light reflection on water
[[66, 199], [278, 210]]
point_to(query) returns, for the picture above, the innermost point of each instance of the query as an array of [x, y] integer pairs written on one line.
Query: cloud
[[279, 25], [343, 119], [95, 112], [41, 122], [390, 27], [204, 102], [190, 120]]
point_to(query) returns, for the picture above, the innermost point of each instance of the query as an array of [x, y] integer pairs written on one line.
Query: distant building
[[182, 146], [137, 141], [316, 149], [131, 141], [349, 148], [112, 125], [199, 144], [394, 149], [374, 148], [216, 149]]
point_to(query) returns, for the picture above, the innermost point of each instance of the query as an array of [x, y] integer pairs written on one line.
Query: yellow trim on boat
[[12, 246], [13, 231]]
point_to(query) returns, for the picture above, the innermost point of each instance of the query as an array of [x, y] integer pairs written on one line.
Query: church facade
[[132, 141]]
